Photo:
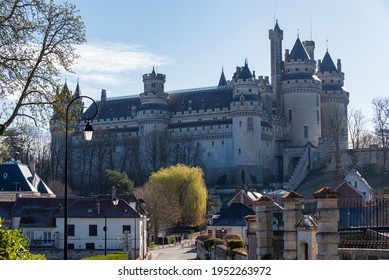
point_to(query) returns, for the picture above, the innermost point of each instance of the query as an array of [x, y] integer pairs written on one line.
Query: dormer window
[[5, 175]]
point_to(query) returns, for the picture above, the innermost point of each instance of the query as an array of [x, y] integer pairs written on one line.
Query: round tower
[[301, 97], [246, 113], [334, 102], [154, 110]]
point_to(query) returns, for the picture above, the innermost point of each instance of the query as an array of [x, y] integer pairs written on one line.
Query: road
[[177, 252]]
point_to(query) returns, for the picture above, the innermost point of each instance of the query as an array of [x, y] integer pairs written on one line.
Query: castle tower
[[301, 97], [334, 101], [154, 110], [246, 112], [276, 36]]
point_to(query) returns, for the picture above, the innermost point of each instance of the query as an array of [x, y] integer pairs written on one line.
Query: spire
[[327, 64], [276, 27], [222, 80], [298, 51], [77, 92]]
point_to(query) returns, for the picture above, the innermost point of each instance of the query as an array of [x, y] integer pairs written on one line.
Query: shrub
[[232, 236], [234, 244]]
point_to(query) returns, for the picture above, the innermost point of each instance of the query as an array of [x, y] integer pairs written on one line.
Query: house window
[[306, 131], [92, 230], [126, 229], [71, 230], [90, 246], [220, 233]]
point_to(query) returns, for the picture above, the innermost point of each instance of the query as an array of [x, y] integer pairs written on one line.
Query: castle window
[[297, 69], [239, 151], [240, 123], [223, 142], [290, 115], [249, 89], [195, 128], [187, 129], [305, 131], [250, 124], [213, 143], [317, 115], [317, 100], [152, 84]]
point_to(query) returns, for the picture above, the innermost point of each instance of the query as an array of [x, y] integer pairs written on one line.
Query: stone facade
[[242, 129]]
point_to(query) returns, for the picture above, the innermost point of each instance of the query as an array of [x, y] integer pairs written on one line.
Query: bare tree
[[161, 204], [37, 39], [157, 149], [356, 126], [334, 130], [381, 123]]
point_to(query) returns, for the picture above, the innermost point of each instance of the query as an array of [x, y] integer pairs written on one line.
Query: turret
[[154, 110], [334, 101], [301, 97]]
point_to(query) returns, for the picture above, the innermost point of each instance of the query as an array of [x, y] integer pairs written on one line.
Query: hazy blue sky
[[190, 42]]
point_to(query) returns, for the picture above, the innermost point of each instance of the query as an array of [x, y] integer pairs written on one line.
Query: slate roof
[[201, 98], [234, 215], [89, 208], [327, 63], [222, 80], [298, 51], [15, 177], [37, 212]]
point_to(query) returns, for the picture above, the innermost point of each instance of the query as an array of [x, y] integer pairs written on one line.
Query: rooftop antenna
[[311, 27], [327, 44], [298, 32]]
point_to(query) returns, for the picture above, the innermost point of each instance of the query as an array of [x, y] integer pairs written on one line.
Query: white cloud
[[109, 63]]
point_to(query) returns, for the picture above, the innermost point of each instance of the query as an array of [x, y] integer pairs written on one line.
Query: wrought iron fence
[[364, 224]]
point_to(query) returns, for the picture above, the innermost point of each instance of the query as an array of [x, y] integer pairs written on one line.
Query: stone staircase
[[300, 172]]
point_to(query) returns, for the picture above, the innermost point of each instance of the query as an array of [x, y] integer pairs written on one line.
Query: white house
[[355, 180], [42, 220]]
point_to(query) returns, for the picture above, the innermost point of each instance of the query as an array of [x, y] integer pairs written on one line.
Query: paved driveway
[[178, 252]]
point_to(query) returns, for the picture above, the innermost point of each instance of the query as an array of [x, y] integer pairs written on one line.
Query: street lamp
[[115, 201], [88, 132]]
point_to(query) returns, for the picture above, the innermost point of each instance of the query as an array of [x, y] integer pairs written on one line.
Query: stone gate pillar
[[328, 219], [264, 220], [293, 203]]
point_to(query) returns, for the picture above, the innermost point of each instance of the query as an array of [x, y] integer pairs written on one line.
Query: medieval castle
[[246, 130]]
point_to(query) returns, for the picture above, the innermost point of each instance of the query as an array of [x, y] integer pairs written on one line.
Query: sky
[[192, 41]]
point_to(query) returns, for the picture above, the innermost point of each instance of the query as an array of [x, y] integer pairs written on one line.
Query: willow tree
[[37, 39], [187, 184]]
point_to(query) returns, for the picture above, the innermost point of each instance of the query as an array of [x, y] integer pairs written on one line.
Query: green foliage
[[234, 244], [14, 246], [188, 184], [120, 181], [113, 256], [212, 242], [232, 236]]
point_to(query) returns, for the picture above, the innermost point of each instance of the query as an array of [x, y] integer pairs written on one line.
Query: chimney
[[286, 54], [98, 208], [103, 94]]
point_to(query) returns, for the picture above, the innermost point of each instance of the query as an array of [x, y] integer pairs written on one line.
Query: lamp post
[[115, 201], [88, 132]]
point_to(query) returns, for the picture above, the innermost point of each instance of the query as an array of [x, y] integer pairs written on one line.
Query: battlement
[[154, 76]]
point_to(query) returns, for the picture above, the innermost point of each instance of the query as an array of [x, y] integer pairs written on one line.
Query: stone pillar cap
[[326, 192], [291, 195]]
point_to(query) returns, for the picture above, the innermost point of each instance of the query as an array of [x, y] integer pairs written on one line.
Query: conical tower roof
[[298, 51], [222, 80], [327, 64]]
